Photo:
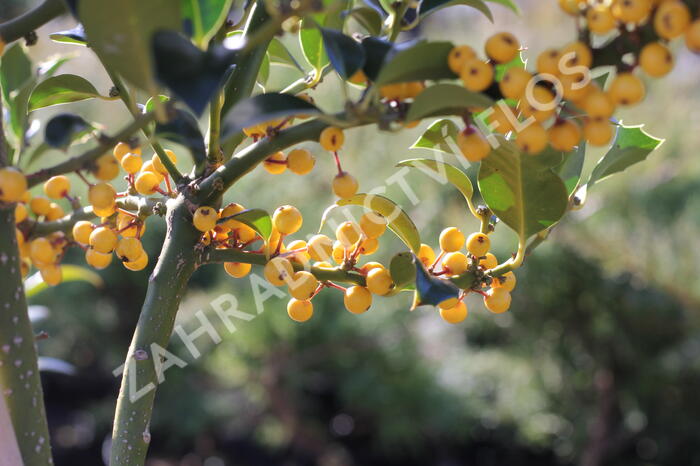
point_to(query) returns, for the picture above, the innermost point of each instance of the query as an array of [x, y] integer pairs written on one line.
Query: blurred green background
[[595, 364]]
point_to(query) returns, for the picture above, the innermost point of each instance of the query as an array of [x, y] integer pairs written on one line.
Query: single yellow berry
[[372, 224], [105, 212], [348, 233], [533, 139], [51, 274], [426, 255], [455, 263], [300, 311], [626, 89], [366, 268], [13, 185], [57, 187], [576, 87], [572, 7], [102, 195], [320, 247], [548, 62], [478, 244], [576, 54], [656, 59], [103, 240], [338, 252], [692, 37], [278, 271], [106, 168], [448, 303], [369, 246], [41, 251], [205, 218], [564, 135], [276, 163], [514, 83], [344, 185], [82, 231], [301, 161], [131, 163], [456, 314], [357, 299], [598, 131], [331, 138], [40, 205], [129, 249], [506, 281], [600, 19], [302, 255], [123, 148], [237, 269], [158, 164], [631, 11], [502, 47], [20, 213], [458, 56], [379, 281], [672, 19], [497, 300], [55, 212], [138, 264], [473, 144], [302, 285], [598, 104], [287, 219], [540, 104], [476, 75], [488, 262], [451, 239]]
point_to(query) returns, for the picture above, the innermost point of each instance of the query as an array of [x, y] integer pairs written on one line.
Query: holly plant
[[509, 132]]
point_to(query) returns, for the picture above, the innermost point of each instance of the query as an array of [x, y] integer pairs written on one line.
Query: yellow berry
[[366, 268], [129, 249], [454, 315], [105, 212], [338, 252], [300, 161], [412, 89], [276, 163], [514, 83], [672, 19], [489, 261], [348, 233], [344, 185], [626, 89], [131, 163], [123, 148], [448, 303], [331, 138], [323, 265], [564, 135], [13, 185], [20, 213], [302, 285], [103, 240], [458, 56], [302, 256], [40, 205], [228, 211], [55, 212], [631, 11], [456, 263], [577, 54], [476, 75], [478, 244], [572, 7], [357, 299], [532, 139], [372, 224], [426, 255], [497, 300], [540, 105], [656, 59], [392, 91], [287, 219], [600, 19], [278, 271], [106, 168], [237, 269], [369, 246], [598, 132], [473, 144], [502, 47], [320, 247], [205, 218], [576, 87], [358, 77], [138, 264], [96, 259], [501, 119], [506, 281], [548, 62], [158, 164], [82, 231], [57, 187], [379, 281], [300, 311], [451, 239], [41, 251], [598, 104], [692, 37], [51, 274], [102, 195]]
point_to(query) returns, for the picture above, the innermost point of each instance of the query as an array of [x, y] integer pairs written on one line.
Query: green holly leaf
[[204, 18], [444, 173], [445, 99], [62, 89]]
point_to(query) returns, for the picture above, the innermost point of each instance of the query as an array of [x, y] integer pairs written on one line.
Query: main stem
[[20, 383], [167, 284]]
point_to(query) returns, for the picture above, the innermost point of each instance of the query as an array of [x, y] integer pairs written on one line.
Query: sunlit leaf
[[203, 18], [438, 137], [444, 173], [62, 89], [257, 219], [445, 99]]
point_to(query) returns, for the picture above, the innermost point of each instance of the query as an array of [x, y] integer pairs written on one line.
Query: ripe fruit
[[548, 62], [278, 271], [489, 261], [300, 311], [478, 244], [575, 86], [357, 299], [426, 255], [302, 285], [123, 148], [147, 183], [600, 19], [302, 256], [102, 195], [671, 19], [476, 75], [451, 239], [455, 262], [276, 163], [373, 225], [501, 118], [412, 89], [344, 185], [598, 132], [138, 264], [103, 240], [205, 218], [287, 219], [57, 187], [55, 212], [626, 89], [158, 164], [497, 300], [98, 260], [369, 246], [514, 83], [533, 139], [320, 247], [564, 135], [338, 252], [358, 77], [365, 269], [41, 251], [131, 163], [348, 233], [40, 205], [572, 7], [458, 56], [598, 104], [229, 210], [13, 185], [106, 212], [300, 161], [577, 54], [656, 59], [631, 11], [331, 138], [379, 281], [51, 274], [106, 168], [539, 104], [20, 213], [237, 269], [692, 37], [506, 281], [392, 91], [448, 303], [82, 231], [129, 249], [473, 144], [456, 314], [502, 47]]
